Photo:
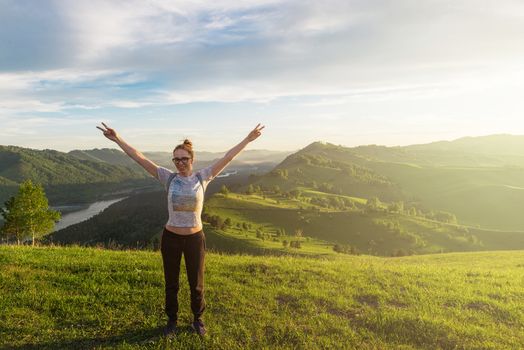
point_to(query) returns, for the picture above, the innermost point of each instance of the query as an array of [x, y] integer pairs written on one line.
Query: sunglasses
[[183, 160]]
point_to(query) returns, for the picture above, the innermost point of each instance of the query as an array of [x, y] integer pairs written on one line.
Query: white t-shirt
[[185, 198]]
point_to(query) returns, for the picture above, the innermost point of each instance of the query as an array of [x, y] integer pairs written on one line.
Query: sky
[[348, 72]]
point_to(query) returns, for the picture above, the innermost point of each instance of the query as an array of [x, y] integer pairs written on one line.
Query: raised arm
[[136, 155], [233, 152]]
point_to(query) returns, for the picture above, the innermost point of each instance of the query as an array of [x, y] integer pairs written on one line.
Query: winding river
[[75, 217]]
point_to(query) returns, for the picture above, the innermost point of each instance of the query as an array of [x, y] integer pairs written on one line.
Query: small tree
[[295, 193], [373, 204], [28, 214], [224, 190], [295, 244], [250, 189], [396, 207], [299, 233]]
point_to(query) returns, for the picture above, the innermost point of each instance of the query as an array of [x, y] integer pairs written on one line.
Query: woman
[[183, 233]]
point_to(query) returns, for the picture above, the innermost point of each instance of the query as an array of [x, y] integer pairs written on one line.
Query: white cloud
[[337, 57], [32, 80]]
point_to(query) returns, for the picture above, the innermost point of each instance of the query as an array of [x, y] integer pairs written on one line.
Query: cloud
[[99, 58]]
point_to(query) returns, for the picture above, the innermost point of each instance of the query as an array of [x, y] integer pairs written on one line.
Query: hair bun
[[188, 143]]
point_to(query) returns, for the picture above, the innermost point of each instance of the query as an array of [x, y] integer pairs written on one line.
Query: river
[[75, 217]]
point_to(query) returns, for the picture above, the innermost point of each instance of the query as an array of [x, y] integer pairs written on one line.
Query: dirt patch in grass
[[368, 299], [397, 304], [287, 300], [414, 332], [492, 310], [328, 307]]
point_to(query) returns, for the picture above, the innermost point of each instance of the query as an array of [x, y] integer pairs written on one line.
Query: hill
[[65, 178], [86, 175], [350, 222], [78, 298], [482, 151], [248, 158], [424, 176]]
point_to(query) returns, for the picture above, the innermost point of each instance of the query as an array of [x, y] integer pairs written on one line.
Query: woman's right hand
[[109, 133]]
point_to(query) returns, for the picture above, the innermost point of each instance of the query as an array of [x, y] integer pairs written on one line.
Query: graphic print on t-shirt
[[182, 197]]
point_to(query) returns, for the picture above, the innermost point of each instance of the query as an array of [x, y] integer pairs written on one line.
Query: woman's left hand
[[255, 133]]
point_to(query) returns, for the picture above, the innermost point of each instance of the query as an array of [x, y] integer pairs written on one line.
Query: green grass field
[[87, 298]]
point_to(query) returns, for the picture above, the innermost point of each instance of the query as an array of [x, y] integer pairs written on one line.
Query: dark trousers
[[193, 248]]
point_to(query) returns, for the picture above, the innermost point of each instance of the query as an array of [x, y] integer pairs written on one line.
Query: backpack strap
[[169, 180], [173, 175], [199, 177]]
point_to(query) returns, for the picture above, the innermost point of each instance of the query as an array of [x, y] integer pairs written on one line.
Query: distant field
[[490, 197], [376, 233], [85, 298]]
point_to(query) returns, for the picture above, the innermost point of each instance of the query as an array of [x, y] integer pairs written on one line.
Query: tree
[[396, 207], [224, 190], [295, 193], [373, 204], [217, 222], [12, 227], [443, 216], [28, 214], [295, 244], [346, 249]]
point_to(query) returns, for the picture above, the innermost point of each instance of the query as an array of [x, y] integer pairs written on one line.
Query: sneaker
[[199, 327], [170, 328]]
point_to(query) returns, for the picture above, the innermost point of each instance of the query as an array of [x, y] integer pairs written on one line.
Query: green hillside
[[107, 155], [84, 298], [66, 178], [53, 167], [332, 170], [489, 195], [335, 219]]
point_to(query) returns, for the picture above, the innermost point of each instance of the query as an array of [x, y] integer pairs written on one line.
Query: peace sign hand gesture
[[109, 133], [255, 133]]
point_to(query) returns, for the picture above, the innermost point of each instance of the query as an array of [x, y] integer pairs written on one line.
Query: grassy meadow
[[88, 298]]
